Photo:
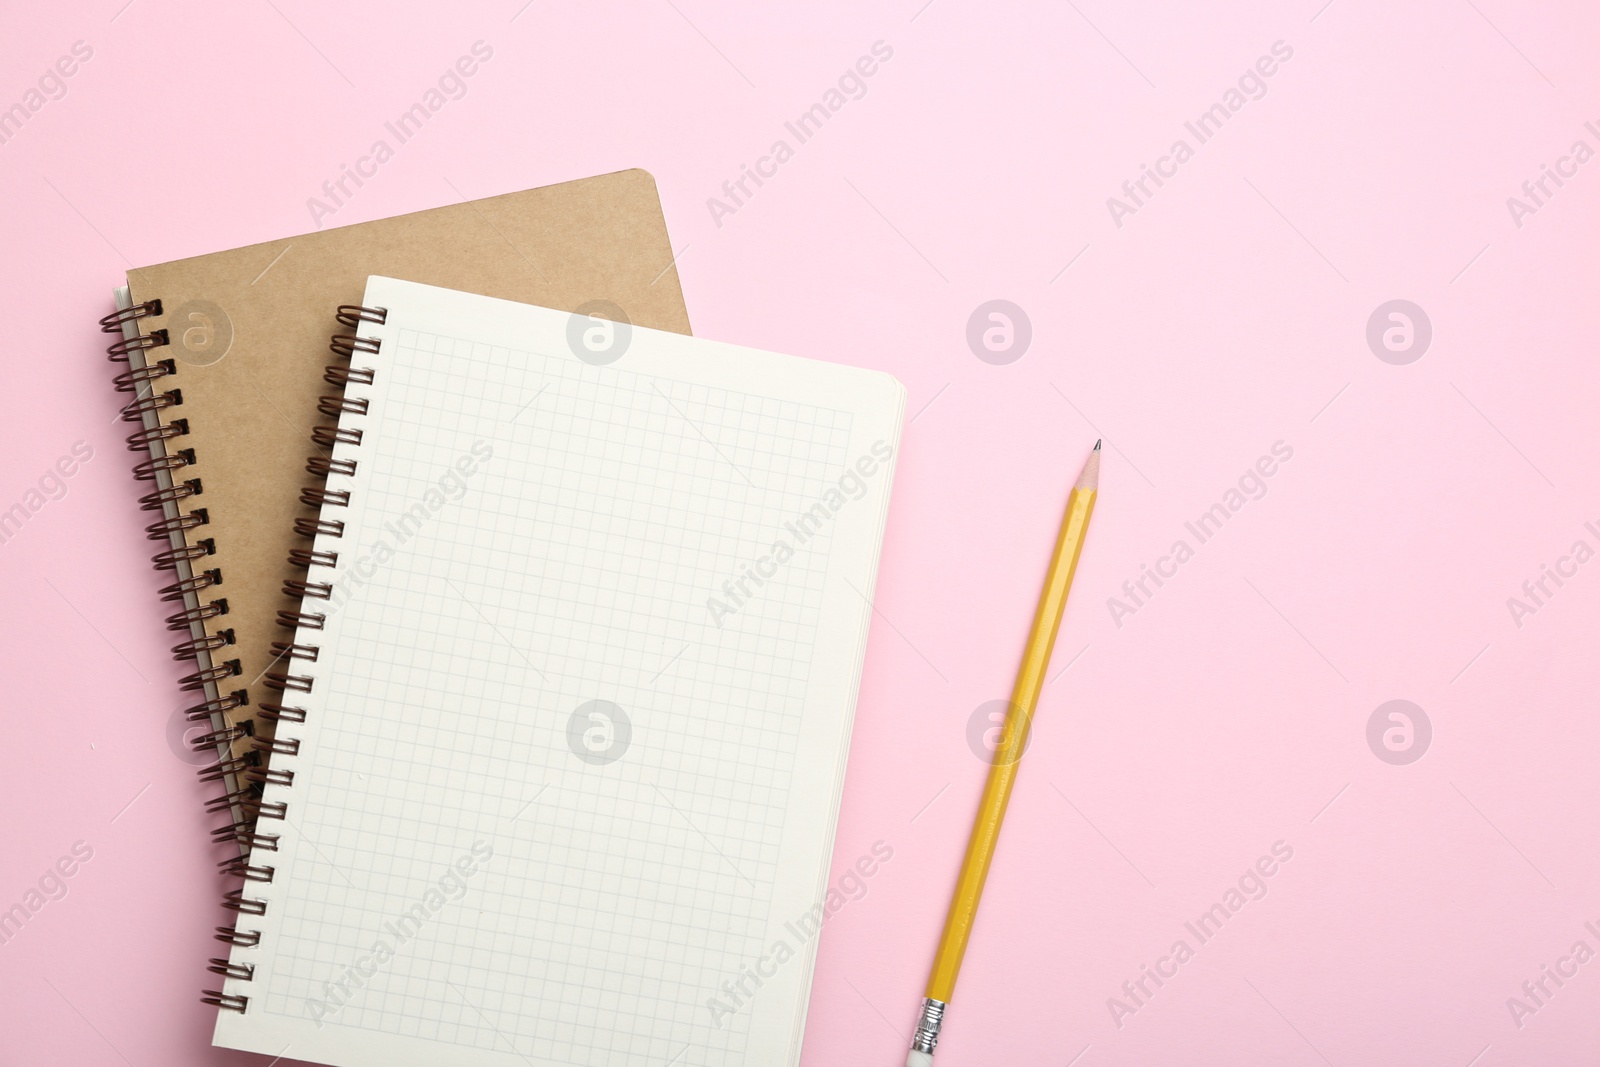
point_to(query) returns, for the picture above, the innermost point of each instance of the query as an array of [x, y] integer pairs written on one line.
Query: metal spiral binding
[[291, 679], [163, 462]]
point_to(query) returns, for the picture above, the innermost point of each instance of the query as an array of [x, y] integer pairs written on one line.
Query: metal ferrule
[[928, 1023]]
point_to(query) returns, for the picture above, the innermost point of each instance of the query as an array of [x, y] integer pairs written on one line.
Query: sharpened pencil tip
[[1089, 477], [1097, 444]]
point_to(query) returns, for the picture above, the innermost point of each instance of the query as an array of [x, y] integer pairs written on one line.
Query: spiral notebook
[[581, 639], [225, 357]]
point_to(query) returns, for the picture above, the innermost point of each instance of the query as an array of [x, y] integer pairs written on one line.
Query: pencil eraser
[[919, 1059]]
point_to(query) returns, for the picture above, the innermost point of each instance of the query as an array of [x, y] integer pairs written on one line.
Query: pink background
[[1227, 314]]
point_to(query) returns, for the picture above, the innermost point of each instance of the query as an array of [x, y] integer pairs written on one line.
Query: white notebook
[[574, 741]]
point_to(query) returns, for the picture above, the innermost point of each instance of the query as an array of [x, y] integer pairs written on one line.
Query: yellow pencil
[[1005, 762]]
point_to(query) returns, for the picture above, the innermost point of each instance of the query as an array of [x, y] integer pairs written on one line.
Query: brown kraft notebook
[[226, 354]]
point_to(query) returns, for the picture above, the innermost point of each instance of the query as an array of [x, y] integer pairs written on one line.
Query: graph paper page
[[575, 738]]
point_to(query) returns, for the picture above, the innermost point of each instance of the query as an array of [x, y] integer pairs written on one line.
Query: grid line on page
[[575, 564]]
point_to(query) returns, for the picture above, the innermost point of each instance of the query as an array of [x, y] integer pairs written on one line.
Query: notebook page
[[575, 738]]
